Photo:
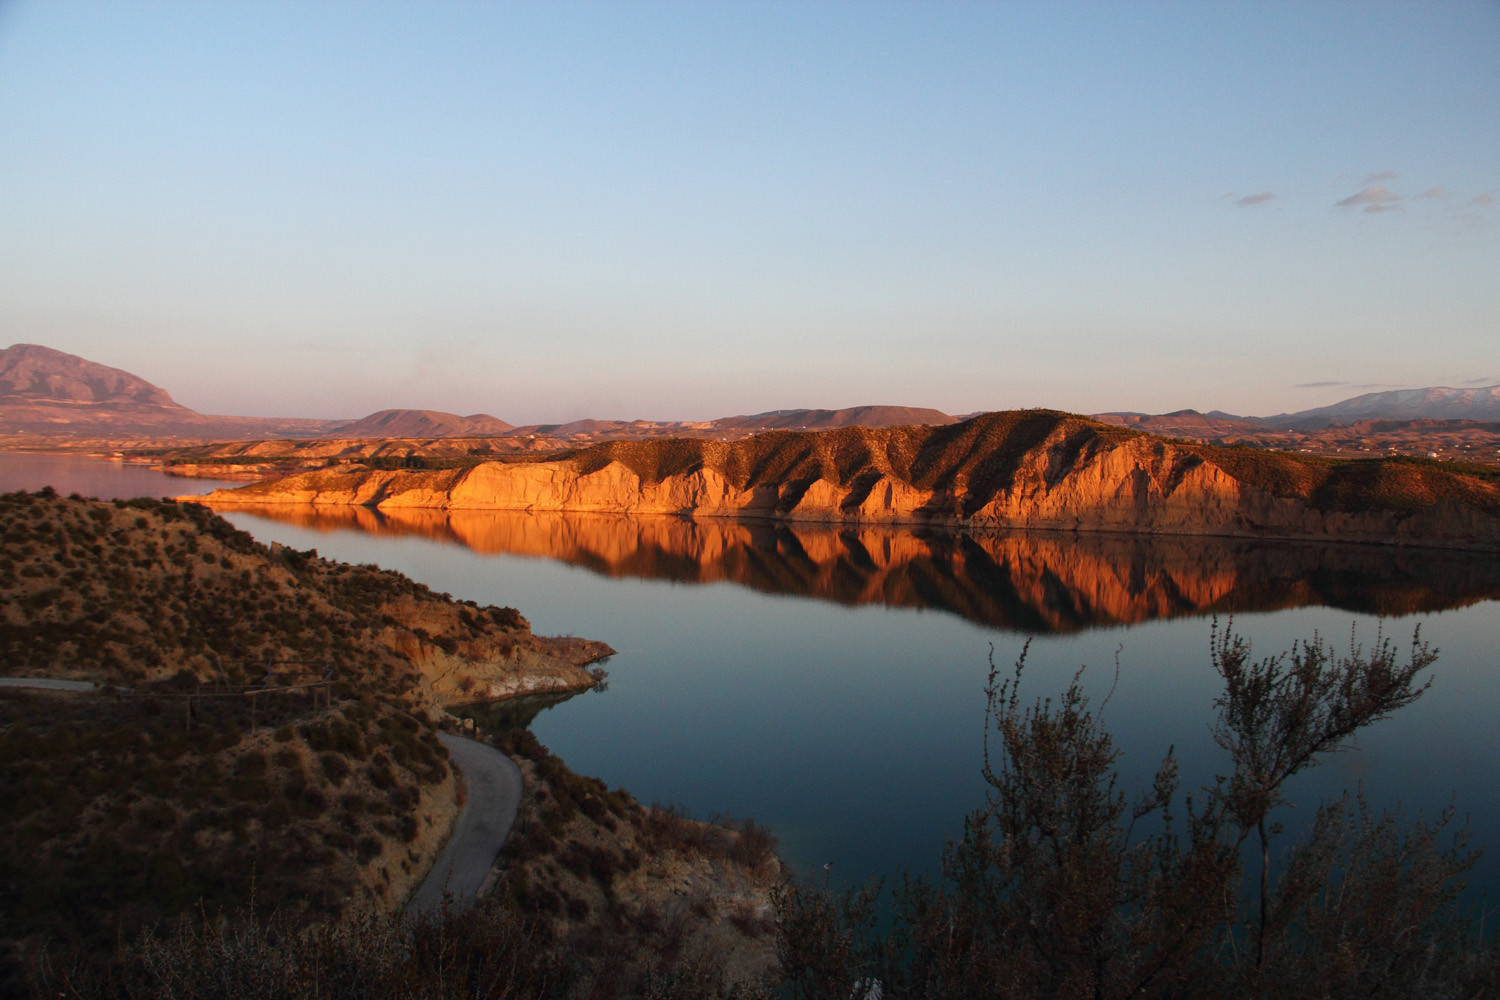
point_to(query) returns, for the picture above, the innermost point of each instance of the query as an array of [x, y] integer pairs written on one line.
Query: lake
[[829, 683]]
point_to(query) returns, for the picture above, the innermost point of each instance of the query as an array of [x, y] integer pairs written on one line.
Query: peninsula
[[1017, 469]]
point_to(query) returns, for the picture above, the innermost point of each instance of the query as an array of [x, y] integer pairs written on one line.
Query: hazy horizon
[[677, 212]]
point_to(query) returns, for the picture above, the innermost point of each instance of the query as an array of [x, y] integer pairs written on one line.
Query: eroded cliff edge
[[1014, 470]]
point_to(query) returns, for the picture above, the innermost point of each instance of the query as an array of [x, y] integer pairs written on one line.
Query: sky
[[548, 211]]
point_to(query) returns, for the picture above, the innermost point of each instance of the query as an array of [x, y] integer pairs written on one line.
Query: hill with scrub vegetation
[[263, 725]]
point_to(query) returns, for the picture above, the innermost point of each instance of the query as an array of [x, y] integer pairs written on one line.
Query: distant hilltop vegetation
[[1017, 469]]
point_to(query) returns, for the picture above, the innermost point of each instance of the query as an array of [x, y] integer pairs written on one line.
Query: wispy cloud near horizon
[[1377, 198], [1376, 178], [1254, 200], [1318, 385]]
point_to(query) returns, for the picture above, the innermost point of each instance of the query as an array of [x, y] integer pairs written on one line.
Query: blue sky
[[546, 211]]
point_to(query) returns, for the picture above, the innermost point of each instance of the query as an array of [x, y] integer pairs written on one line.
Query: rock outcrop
[[1026, 469]]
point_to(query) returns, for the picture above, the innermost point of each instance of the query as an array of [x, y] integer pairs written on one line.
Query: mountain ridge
[[1434, 402], [52, 394]]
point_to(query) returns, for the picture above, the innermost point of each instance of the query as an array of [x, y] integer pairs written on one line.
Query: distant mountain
[[1437, 403], [421, 424], [589, 431], [47, 393], [33, 373], [1184, 423], [819, 420], [596, 428]]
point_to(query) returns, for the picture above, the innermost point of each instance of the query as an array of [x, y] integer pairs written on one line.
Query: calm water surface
[[830, 684]]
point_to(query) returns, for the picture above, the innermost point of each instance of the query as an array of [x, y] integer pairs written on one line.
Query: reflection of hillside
[[1040, 582]]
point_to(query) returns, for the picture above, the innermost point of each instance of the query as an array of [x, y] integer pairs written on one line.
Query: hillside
[[144, 592], [1419, 437], [268, 718], [1018, 469]]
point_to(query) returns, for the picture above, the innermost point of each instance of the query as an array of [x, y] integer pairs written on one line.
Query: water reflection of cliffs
[[1037, 582]]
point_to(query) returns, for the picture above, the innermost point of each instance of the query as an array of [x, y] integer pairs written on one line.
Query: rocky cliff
[[1020, 469]]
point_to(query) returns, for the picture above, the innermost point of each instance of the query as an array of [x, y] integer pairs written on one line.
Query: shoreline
[[988, 527]]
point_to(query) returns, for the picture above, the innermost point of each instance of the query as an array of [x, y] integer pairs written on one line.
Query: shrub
[[1059, 886], [250, 764], [335, 767], [311, 803], [753, 845], [368, 848]]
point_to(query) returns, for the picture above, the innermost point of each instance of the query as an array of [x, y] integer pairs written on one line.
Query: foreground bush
[[490, 952], [1062, 887], [476, 954]]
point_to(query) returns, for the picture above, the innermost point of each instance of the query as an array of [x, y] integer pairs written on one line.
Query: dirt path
[[493, 784]]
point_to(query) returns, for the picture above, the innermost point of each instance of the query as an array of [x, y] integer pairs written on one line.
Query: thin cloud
[[1435, 194], [1382, 385], [1487, 380], [1317, 385], [1378, 198], [1384, 175], [1254, 200], [1483, 200]]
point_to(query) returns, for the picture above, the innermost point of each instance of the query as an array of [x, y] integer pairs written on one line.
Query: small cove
[[849, 718]]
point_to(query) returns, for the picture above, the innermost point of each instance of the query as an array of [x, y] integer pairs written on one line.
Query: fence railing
[[280, 677]]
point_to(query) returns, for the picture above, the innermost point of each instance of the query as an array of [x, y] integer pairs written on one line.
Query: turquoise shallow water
[[852, 722]]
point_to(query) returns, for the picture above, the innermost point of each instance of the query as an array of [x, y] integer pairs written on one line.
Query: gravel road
[[493, 785]]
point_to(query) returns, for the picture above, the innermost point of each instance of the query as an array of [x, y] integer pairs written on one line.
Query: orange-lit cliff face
[[1033, 582], [1031, 469]]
